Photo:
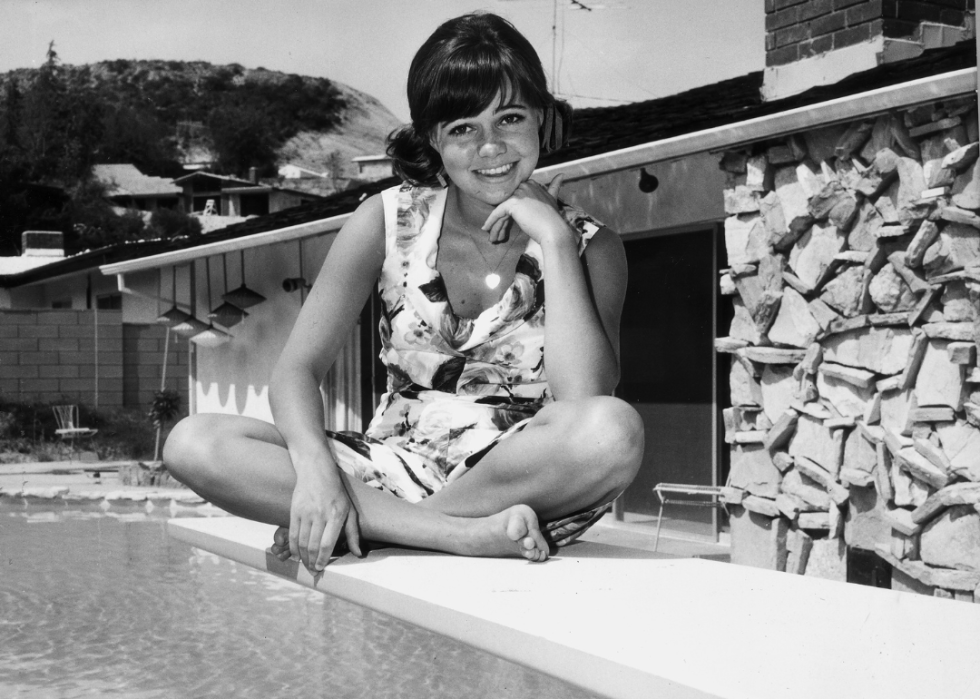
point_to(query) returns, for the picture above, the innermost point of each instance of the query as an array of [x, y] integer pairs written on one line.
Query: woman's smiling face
[[488, 155]]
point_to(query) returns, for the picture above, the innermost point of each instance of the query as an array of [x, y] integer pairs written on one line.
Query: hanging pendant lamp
[[227, 314], [243, 297], [174, 316], [190, 326], [210, 336]]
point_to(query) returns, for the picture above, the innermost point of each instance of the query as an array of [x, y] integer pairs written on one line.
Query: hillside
[[190, 111]]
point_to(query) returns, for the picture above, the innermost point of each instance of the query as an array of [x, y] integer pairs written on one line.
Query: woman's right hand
[[320, 510]]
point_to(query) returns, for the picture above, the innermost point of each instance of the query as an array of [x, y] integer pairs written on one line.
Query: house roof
[[124, 179], [595, 131], [200, 174]]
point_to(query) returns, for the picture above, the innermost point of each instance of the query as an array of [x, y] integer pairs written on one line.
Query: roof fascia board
[[928, 89], [280, 235]]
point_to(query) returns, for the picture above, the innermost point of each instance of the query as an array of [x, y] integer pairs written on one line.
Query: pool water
[[97, 603]]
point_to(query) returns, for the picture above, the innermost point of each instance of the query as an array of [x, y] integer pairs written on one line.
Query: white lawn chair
[[666, 491], [68, 427]]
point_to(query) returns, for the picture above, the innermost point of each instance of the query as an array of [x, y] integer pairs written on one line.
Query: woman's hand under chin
[[534, 208]]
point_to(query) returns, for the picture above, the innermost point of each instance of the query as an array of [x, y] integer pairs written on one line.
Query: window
[[61, 303], [109, 302]]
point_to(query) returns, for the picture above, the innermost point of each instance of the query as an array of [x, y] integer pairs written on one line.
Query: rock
[[773, 355], [954, 214], [925, 309], [835, 203], [745, 389], [822, 313], [910, 276], [903, 546], [961, 446], [916, 465], [896, 408], [956, 494], [957, 306], [853, 139], [883, 473], [901, 520], [966, 188], [781, 459], [757, 540], [774, 222], [794, 202], [750, 437], [815, 521], [903, 582], [924, 237], [752, 470], [805, 488], [827, 560], [957, 247], [917, 353], [956, 332], [815, 442], [756, 169], [726, 286], [780, 433], [856, 377], [812, 358], [952, 540], [845, 292], [814, 252], [794, 324], [743, 326], [863, 234], [853, 477], [901, 138], [962, 157], [933, 453], [887, 204], [937, 413], [777, 390], [745, 239], [825, 478], [761, 506], [889, 291], [865, 524], [859, 453], [939, 382], [741, 200], [847, 399], [798, 546], [962, 353], [731, 496]]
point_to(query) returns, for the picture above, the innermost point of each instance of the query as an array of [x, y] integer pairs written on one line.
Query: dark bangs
[[469, 84]]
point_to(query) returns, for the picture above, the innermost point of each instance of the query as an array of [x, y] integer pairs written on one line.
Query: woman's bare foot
[[512, 532]]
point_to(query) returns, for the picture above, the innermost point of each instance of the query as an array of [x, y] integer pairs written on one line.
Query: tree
[[243, 137]]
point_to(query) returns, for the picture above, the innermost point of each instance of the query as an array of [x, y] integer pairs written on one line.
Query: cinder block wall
[[143, 353], [855, 276], [60, 355]]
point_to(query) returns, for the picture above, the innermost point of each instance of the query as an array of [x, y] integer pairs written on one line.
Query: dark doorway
[[668, 367]]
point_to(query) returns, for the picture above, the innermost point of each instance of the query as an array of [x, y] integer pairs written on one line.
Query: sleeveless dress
[[456, 386]]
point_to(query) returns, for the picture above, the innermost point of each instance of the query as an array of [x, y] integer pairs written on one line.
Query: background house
[[129, 188]]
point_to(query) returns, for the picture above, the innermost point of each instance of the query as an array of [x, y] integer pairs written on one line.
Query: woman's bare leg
[[572, 456], [241, 465]]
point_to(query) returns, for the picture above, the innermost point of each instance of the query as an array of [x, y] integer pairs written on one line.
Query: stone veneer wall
[[854, 256]]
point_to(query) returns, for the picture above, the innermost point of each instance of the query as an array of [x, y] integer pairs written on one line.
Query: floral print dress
[[456, 386]]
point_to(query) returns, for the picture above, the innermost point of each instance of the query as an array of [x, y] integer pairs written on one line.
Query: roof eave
[[932, 88]]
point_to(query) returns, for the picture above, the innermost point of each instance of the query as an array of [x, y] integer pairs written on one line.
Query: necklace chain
[[492, 280]]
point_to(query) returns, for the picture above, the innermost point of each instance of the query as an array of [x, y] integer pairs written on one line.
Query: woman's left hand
[[534, 208]]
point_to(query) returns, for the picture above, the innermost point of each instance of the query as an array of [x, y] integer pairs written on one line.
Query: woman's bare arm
[[321, 507]]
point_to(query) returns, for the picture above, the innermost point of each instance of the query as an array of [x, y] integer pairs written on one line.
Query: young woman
[[497, 418]]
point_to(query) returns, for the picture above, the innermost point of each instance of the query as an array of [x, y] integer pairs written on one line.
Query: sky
[[620, 51]]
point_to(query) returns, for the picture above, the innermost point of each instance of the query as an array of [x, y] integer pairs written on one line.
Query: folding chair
[[68, 428], [665, 491]]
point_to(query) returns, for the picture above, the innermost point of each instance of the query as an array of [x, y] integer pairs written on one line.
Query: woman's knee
[[607, 434], [191, 447]]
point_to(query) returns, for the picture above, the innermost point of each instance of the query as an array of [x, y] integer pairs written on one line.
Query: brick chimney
[[820, 42]]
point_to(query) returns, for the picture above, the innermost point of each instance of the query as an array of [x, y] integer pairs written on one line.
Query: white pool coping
[[628, 624]]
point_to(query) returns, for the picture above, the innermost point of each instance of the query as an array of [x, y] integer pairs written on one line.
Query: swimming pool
[[102, 603]]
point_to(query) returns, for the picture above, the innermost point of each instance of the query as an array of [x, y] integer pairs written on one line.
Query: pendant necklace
[[492, 280]]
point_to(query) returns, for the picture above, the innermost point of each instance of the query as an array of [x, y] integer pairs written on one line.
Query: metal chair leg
[[660, 520]]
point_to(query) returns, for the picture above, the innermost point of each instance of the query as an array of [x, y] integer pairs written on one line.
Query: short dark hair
[[455, 74]]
